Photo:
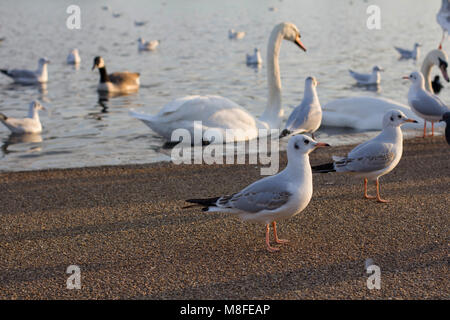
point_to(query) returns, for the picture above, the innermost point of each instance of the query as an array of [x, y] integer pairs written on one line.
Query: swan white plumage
[[361, 113], [27, 76], [306, 117], [30, 124], [73, 57], [219, 113], [367, 78], [255, 58]]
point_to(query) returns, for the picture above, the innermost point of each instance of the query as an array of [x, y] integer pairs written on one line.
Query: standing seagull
[[409, 54], [425, 104], [276, 197], [443, 18], [28, 76], [117, 82], [367, 78], [374, 158], [307, 116], [446, 118], [30, 124]]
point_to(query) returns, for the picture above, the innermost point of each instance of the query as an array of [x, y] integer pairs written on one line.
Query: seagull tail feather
[[4, 71], [205, 203]]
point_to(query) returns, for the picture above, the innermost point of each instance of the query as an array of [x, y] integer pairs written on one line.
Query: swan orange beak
[[299, 43], [444, 72]]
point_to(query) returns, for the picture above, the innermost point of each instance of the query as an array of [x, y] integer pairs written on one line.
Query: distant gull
[[425, 104], [272, 198], [255, 58], [73, 57], [367, 78], [116, 14], [446, 119], [140, 23], [27, 76], [30, 124], [436, 85], [409, 54], [443, 18], [373, 158], [117, 82], [147, 45], [232, 34], [306, 117]]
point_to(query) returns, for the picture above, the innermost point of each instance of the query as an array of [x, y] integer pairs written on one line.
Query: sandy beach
[[125, 227]]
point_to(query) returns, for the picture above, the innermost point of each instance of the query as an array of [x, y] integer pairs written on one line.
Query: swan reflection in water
[[14, 138]]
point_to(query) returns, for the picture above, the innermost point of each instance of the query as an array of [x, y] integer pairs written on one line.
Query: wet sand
[[126, 228]]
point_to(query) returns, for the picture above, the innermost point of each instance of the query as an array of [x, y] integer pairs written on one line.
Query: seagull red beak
[[321, 144], [411, 120], [405, 77]]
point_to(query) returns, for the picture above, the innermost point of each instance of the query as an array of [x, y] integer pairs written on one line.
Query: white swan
[[219, 113], [362, 113]]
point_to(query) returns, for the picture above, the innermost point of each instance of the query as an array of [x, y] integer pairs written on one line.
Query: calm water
[[195, 57]]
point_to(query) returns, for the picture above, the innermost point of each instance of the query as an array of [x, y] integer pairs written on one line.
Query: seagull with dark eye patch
[[272, 198], [374, 158]]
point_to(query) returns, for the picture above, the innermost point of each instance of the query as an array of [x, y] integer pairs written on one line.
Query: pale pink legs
[[378, 197], [365, 191], [274, 224]]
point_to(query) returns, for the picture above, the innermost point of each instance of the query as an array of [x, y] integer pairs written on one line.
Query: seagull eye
[[296, 146], [306, 141], [399, 116]]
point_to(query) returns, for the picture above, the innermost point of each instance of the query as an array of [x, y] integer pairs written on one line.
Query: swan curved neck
[[427, 65], [273, 113]]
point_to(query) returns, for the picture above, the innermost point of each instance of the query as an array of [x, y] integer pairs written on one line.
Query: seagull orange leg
[[424, 129], [274, 224], [365, 190], [432, 129], [378, 193], [269, 247]]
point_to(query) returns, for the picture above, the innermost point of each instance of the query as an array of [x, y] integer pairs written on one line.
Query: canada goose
[[30, 124], [117, 81], [27, 76]]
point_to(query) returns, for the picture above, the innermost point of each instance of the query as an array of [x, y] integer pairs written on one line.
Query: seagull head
[[395, 118], [302, 144], [416, 78], [98, 63], [417, 45], [311, 82], [43, 61], [377, 68], [36, 105], [290, 32]]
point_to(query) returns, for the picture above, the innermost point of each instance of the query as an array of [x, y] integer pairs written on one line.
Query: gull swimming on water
[[255, 58], [30, 124], [367, 78], [276, 197], [27, 76], [73, 57], [374, 158], [307, 116], [409, 54], [425, 104], [147, 45], [232, 34]]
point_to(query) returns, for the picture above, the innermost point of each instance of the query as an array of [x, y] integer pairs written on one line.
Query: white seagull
[[27, 76], [147, 45], [307, 116], [232, 34], [276, 197], [217, 113], [443, 18], [30, 124], [73, 57], [425, 104], [374, 158], [367, 78], [409, 54], [255, 58]]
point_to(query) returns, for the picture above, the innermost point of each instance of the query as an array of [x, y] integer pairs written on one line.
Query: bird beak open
[[411, 120], [299, 43], [444, 72], [322, 144]]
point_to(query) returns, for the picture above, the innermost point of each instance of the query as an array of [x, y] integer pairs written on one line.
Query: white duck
[[147, 45], [367, 78], [232, 34], [30, 124], [27, 76], [220, 113], [425, 104], [305, 118], [409, 54], [74, 57], [255, 58], [443, 18], [361, 113]]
